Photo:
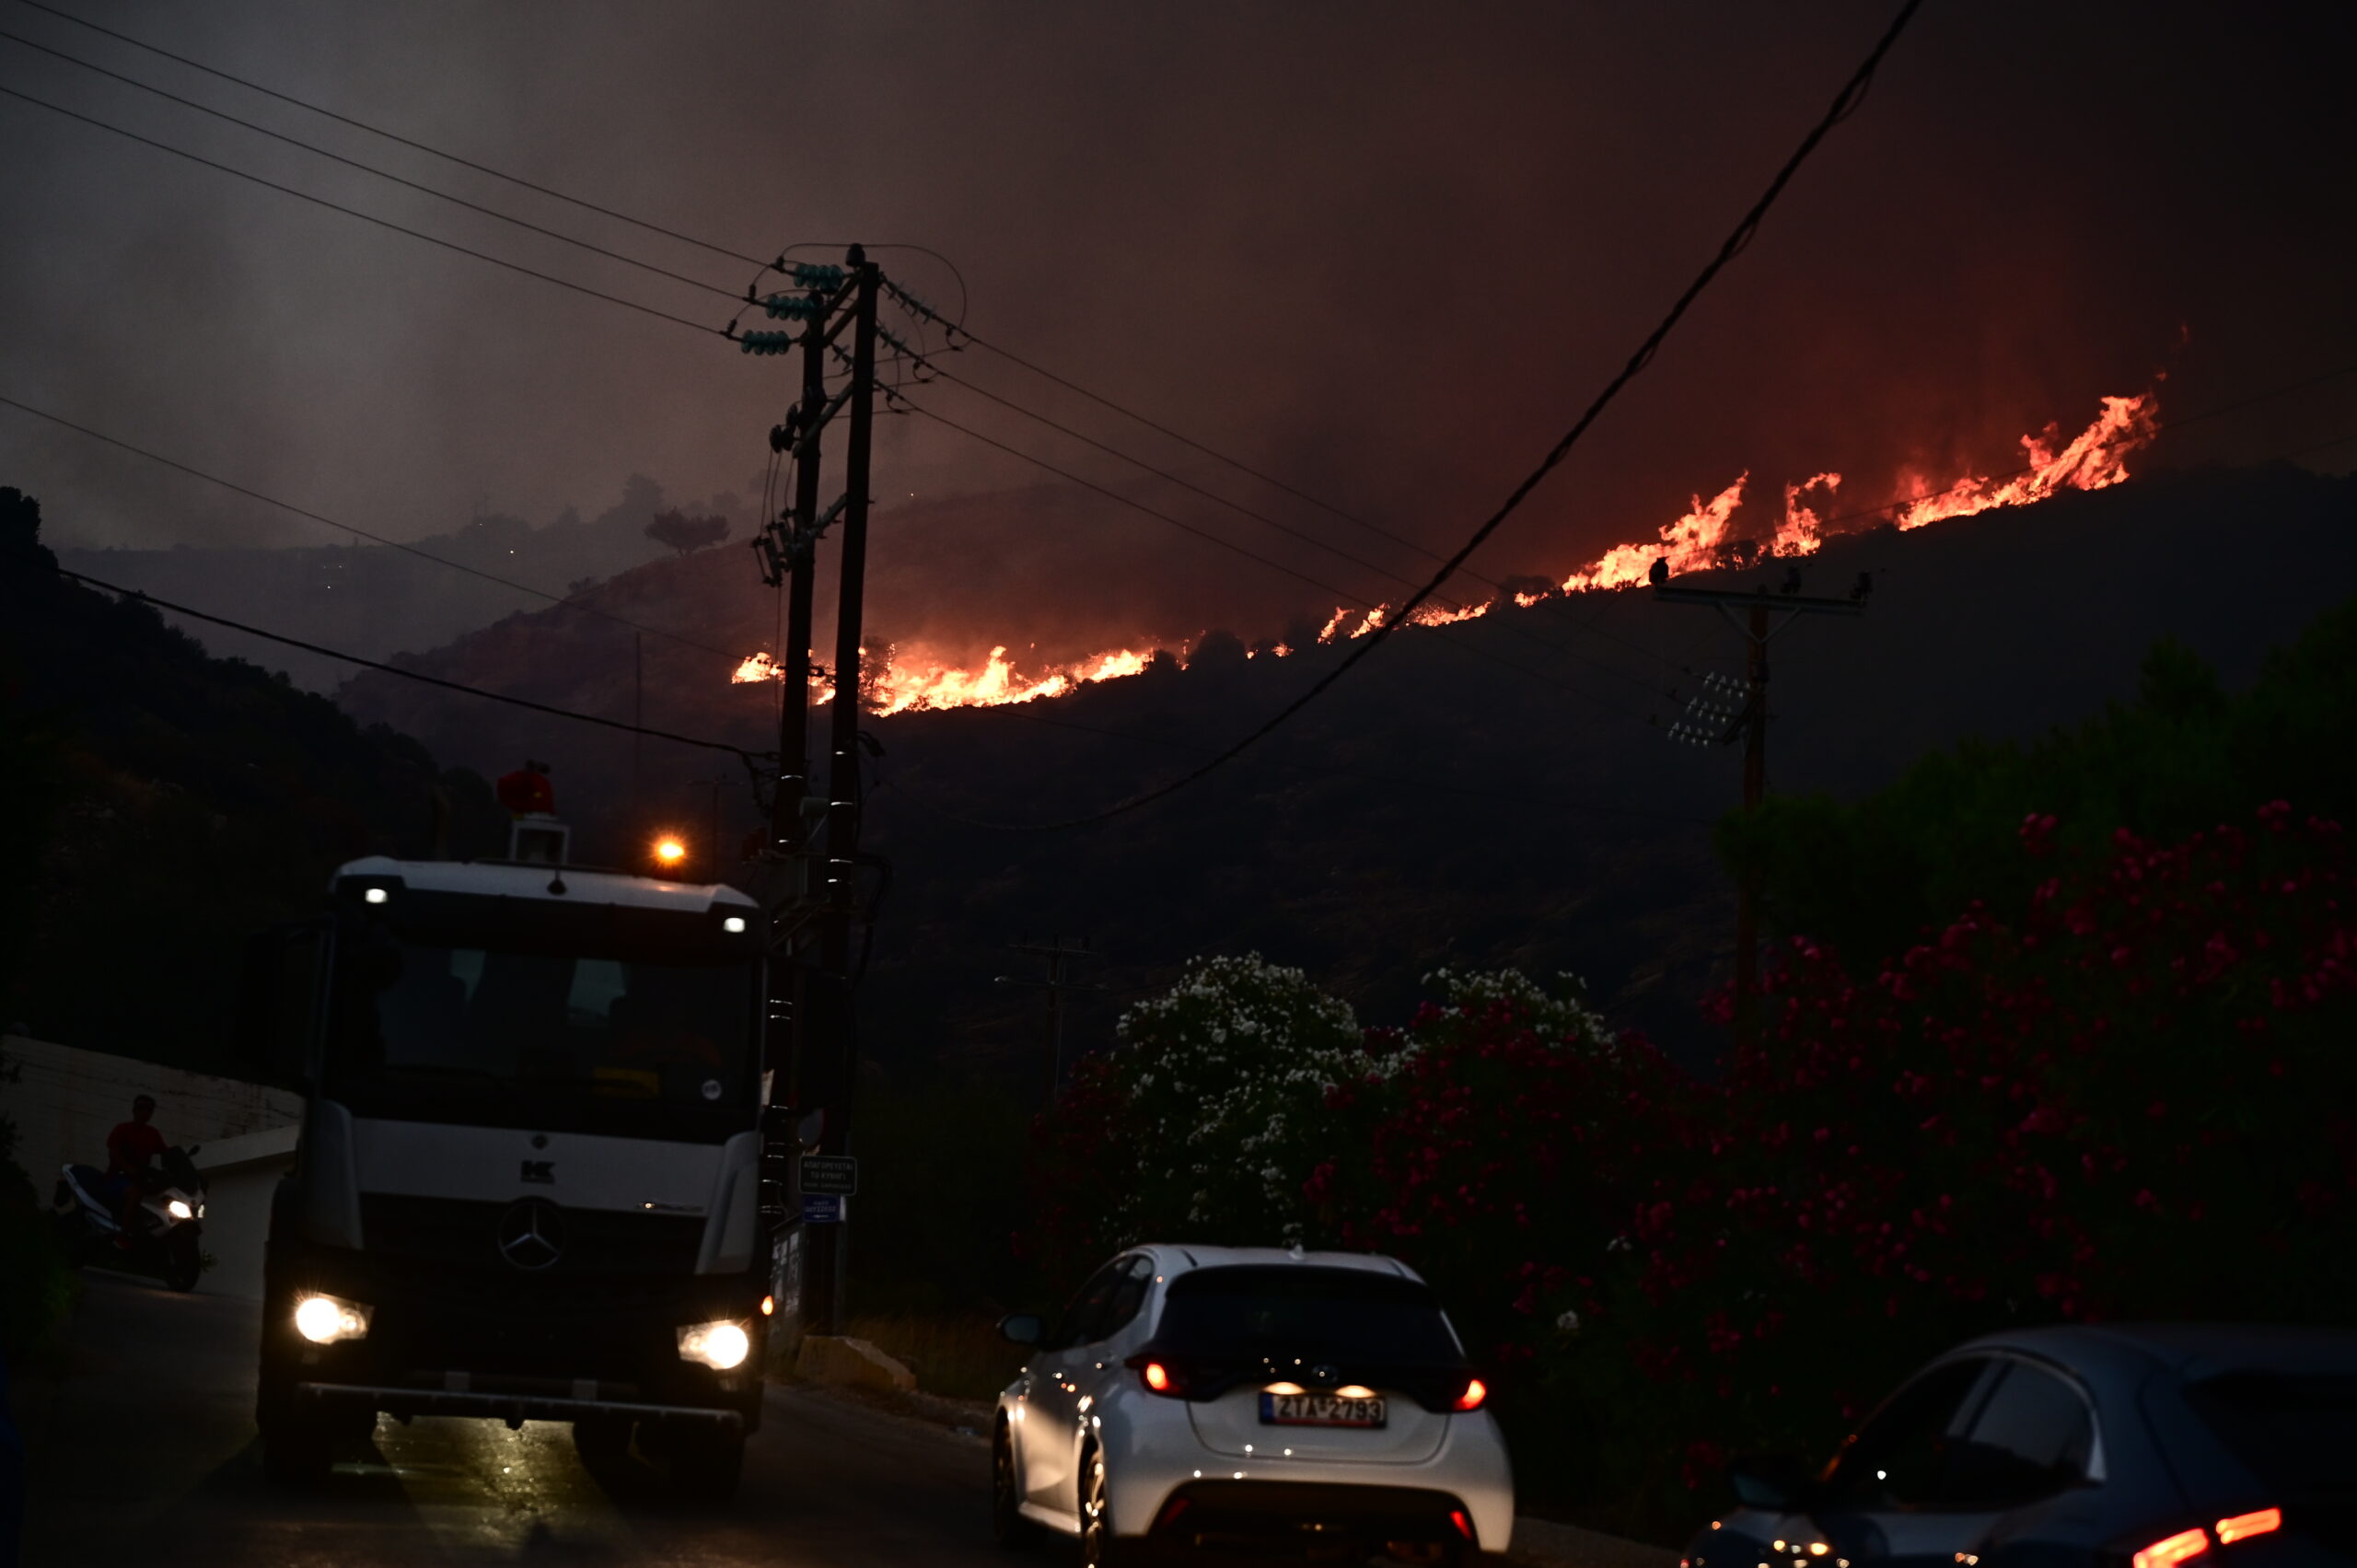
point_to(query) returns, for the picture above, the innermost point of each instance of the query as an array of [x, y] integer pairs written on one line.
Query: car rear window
[[1350, 1314], [2294, 1431]]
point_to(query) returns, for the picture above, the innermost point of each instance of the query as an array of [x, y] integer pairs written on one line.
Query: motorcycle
[[168, 1220]]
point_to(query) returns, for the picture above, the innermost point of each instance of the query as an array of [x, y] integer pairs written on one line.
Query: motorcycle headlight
[[721, 1346], [180, 1210], [326, 1320]]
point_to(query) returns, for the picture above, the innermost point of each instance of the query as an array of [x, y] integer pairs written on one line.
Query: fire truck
[[528, 1185]]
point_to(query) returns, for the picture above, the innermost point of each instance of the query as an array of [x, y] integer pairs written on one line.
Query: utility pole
[[800, 548], [812, 1046], [1758, 624], [714, 857], [638, 740], [1058, 954]]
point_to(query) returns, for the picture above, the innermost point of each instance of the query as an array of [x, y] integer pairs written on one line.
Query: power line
[[1526, 633], [713, 247], [579, 288], [960, 330], [364, 218], [1110, 495], [392, 136], [1167, 477], [559, 601], [1248, 554], [547, 277], [906, 298], [697, 282], [1423, 785], [1846, 101], [371, 169], [748, 757]]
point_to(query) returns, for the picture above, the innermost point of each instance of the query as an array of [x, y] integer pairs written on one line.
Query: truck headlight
[[180, 1210], [720, 1346], [325, 1319]]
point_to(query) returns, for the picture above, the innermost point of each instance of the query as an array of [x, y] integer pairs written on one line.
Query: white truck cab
[[528, 1185]]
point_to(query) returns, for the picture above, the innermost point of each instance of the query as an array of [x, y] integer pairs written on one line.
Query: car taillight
[[1158, 1376], [1463, 1526], [1475, 1392], [2242, 1527], [2172, 1549]]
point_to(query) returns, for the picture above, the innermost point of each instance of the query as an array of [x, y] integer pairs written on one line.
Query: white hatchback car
[[1219, 1395]]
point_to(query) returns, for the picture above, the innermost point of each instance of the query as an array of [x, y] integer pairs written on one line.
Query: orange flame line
[[2095, 459]]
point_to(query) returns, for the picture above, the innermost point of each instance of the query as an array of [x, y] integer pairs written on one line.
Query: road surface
[[144, 1453]]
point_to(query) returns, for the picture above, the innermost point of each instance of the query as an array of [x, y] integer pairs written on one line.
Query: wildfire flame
[[1802, 531], [1426, 615], [897, 687], [2096, 460], [1701, 539], [761, 667], [1688, 544], [944, 686]]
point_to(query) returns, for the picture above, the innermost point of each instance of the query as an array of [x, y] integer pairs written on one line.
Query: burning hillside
[[1712, 534]]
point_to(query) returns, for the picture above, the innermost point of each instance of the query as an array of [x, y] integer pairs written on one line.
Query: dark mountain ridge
[[375, 600], [1442, 807], [158, 805]]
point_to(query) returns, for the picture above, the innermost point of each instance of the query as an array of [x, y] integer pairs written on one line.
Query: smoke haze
[[1385, 253]]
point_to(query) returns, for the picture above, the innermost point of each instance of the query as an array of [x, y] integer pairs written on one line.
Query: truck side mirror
[[1020, 1327]]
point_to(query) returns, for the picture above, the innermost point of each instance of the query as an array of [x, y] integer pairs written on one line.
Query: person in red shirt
[[133, 1149]]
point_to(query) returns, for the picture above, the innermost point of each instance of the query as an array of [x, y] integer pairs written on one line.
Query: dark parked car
[[2132, 1446]]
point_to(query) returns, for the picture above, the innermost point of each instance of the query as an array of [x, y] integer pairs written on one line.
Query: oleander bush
[[2132, 1099]]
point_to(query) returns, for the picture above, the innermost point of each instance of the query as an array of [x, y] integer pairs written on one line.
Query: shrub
[[2135, 1101], [1202, 1123]]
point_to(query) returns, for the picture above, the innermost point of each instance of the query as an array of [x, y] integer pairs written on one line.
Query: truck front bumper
[[513, 1408], [538, 1347]]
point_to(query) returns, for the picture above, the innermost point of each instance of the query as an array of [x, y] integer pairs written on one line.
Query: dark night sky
[[1387, 251]]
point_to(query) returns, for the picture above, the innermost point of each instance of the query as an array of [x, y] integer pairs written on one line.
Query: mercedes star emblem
[[531, 1234], [1325, 1374]]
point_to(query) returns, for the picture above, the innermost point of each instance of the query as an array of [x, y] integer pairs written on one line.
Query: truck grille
[[598, 1244]]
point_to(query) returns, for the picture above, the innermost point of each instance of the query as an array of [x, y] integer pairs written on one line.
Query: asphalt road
[[143, 1452]]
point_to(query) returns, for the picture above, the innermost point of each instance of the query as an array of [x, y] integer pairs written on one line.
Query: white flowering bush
[[1210, 1117], [1222, 1078], [1562, 1020]]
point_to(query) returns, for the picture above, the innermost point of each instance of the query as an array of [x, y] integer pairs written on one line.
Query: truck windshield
[[573, 1042]]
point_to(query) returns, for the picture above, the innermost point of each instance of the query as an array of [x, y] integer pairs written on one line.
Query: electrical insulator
[[765, 342], [814, 274], [791, 307]]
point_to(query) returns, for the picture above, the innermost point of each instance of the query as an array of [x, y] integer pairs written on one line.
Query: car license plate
[[1321, 1410]]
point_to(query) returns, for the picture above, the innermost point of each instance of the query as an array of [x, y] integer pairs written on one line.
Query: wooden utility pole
[[1759, 623], [1058, 954], [828, 1044], [812, 1045]]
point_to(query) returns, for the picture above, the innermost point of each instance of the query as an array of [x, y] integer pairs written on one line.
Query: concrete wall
[[65, 1100]]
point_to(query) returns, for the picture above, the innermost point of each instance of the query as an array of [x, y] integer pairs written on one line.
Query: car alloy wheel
[[1098, 1547]]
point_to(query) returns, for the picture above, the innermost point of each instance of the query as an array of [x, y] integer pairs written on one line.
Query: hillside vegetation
[[161, 805]]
